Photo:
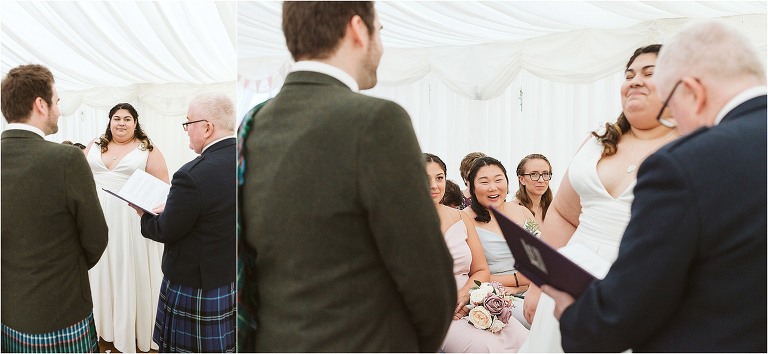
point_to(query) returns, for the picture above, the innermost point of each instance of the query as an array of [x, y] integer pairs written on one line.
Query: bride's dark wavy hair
[[483, 215], [105, 138], [614, 131]]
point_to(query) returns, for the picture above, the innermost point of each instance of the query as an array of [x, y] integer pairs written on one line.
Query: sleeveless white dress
[[125, 284], [463, 337], [601, 226]]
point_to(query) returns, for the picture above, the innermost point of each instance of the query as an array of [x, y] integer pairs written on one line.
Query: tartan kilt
[[78, 338], [193, 320]]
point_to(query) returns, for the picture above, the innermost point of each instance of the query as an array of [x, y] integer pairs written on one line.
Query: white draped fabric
[[505, 78], [156, 55]]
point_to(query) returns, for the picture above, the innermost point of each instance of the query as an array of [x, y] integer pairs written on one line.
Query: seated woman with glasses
[[488, 186], [592, 206], [533, 174], [126, 281]]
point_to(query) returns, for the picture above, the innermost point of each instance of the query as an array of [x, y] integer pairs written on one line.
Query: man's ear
[[358, 31], [40, 105], [698, 93]]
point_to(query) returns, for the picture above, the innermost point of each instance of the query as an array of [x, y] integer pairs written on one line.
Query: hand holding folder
[[143, 191]]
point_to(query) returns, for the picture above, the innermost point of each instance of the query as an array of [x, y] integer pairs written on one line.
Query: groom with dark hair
[[347, 251], [53, 228]]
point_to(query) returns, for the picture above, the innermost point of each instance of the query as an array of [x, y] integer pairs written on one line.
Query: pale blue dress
[[501, 262]]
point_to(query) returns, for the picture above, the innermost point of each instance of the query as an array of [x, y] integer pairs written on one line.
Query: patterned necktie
[[246, 304]]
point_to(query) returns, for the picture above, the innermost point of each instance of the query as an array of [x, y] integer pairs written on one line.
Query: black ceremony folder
[[541, 263]]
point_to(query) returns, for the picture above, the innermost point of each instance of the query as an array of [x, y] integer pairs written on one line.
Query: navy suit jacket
[[198, 223], [691, 269]]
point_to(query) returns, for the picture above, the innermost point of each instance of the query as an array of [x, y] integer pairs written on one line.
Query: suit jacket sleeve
[[182, 209], [83, 203], [404, 222], [645, 285]]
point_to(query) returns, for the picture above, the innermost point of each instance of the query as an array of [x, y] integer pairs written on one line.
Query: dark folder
[[541, 263]]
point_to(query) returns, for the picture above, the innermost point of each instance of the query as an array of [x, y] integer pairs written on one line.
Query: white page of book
[[144, 190]]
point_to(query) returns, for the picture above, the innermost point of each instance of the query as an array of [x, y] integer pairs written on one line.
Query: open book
[[143, 190], [542, 264]]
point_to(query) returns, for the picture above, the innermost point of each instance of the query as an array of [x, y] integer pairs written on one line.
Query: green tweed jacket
[[53, 231], [349, 252]]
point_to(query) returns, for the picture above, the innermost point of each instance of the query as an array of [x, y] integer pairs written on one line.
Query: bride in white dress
[[592, 205], [125, 284]]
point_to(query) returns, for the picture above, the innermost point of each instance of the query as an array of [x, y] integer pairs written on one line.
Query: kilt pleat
[[193, 320], [78, 338]]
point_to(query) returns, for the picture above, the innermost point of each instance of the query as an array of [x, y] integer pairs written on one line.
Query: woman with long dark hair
[[592, 206], [126, 282]]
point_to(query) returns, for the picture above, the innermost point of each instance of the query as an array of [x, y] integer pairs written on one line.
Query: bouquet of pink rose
[[489, 308]]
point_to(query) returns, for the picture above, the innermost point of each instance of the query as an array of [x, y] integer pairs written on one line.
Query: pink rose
[[500, 289], [505, 314], [494, 304]]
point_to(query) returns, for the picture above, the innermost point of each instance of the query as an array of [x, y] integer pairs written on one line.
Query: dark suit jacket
[[53, 231], [691, 270], [349, 253], [198, 223]]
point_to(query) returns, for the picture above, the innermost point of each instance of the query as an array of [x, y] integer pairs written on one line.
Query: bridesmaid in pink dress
[[469, 264]]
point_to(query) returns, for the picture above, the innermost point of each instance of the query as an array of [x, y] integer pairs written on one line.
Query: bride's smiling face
[[491, 186], [122, 125]]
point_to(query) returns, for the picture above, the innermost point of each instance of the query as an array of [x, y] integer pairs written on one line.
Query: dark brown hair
[[522, 193], [452, 197], [138, 133], [433, 158], [483, 215], [313, 29], [613, 131], [21, 87]]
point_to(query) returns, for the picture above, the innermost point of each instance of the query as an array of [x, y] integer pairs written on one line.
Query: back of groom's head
[[314, 29], [21, 87]]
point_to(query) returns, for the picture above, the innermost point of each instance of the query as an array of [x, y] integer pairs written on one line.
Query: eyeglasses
[[668, 122], [185, 125], [535, 176]]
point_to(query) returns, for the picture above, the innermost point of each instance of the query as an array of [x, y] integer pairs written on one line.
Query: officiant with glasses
[[126, 281], [196, 308], [692, 228]]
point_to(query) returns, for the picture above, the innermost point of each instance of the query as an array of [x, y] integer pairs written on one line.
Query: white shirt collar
[[215, 141], [330, 70], [27, 127], [742, 97]]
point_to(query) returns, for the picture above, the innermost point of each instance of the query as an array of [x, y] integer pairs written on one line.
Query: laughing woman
[[469, 265], [488, 186]]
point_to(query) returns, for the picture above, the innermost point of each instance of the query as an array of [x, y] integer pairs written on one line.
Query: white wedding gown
[[125, 284], [601, 226]]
